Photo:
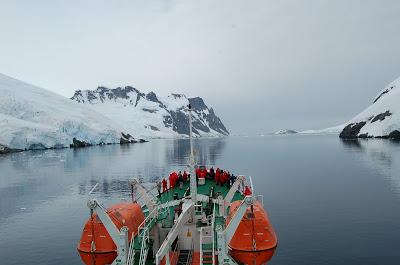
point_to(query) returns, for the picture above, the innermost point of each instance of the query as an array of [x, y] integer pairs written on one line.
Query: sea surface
[[330, 201]]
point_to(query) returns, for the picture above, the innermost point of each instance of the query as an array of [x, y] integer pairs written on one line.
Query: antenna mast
[[193, 181]]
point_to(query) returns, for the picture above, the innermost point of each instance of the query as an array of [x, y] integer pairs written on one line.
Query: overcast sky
[[262, 65]]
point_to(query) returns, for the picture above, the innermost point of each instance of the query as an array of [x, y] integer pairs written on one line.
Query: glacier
[[34, 118]]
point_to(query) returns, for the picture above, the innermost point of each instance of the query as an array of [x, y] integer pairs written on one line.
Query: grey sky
[[263, 65]]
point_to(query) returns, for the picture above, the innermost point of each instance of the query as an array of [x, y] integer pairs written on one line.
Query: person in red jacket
[[171, 181], [222, 177], [247, 191], [185, 176], [164, 185], [217, 175], [175, 175]]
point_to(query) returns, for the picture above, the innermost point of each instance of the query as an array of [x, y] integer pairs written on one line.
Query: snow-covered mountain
[[35, 118], [148, 115], [381, 119]]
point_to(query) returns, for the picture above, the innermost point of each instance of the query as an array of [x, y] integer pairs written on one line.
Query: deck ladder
[[207, 242], [142, 238]]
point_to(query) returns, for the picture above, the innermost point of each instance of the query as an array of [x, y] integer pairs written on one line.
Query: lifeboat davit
[[95, 235], [254, 241]]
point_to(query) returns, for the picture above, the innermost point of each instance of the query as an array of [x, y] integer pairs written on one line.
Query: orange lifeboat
[[254, 241], [95, 235]]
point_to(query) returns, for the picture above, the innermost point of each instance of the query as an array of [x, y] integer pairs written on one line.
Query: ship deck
[[201, 189], [166, 219]]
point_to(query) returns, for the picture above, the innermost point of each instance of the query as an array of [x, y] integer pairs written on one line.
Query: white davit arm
[[143, 193], [224, 237], [120, 237], [237, 218], [184, 217], [231, 193]]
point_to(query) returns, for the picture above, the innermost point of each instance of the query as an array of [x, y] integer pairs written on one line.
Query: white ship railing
[[190, 258], [201, 246], [131, 254], [145, 236], [213, 235], [174, 253], [144, 247]]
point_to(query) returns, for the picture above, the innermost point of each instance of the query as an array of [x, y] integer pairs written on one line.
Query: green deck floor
[[201, 189]]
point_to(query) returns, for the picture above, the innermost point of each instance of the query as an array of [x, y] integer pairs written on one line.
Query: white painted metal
[[231, 193], [260, 198], [92, 190], [149, 219], [225, 236], [213, 235], [235, 221], [193, 181], [251, 185], [143, 193], [190, 258], [186, 215], [201, 246], [120, 237], [144, 250], [131, 254]]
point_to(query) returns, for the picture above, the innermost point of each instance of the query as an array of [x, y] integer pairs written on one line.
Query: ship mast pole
[[193, 181]]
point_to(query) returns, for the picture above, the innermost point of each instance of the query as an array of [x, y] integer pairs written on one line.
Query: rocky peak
[[168, 115], [176, 96], [197, 104]]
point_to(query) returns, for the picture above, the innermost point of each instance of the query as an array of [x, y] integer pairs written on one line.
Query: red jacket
[[247, 191], [202, 173], [224, 177], [164, 185], [217, 176], [172, 180]]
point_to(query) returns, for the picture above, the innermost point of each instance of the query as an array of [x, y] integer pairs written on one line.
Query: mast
[[193, 181]]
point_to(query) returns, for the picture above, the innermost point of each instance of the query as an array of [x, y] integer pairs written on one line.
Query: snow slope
[[32, 118], [380, 119], [331, 130], [147, 115]]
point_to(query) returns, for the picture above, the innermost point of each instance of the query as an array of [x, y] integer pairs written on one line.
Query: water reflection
[[206, 151], [312, 186], [29, 179], [379, 154]]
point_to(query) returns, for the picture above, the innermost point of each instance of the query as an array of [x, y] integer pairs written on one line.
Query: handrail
[[251, 184], [260, 198], [213, 236], [201, 246], [190, 258], [149, 217], [131, 254], [143, 249], [174, 252]]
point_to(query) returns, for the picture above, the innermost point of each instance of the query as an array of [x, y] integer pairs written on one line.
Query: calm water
[[331, 202]]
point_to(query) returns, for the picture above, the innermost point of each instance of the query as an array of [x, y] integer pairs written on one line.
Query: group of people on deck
[[220, 177], [174, 179]]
